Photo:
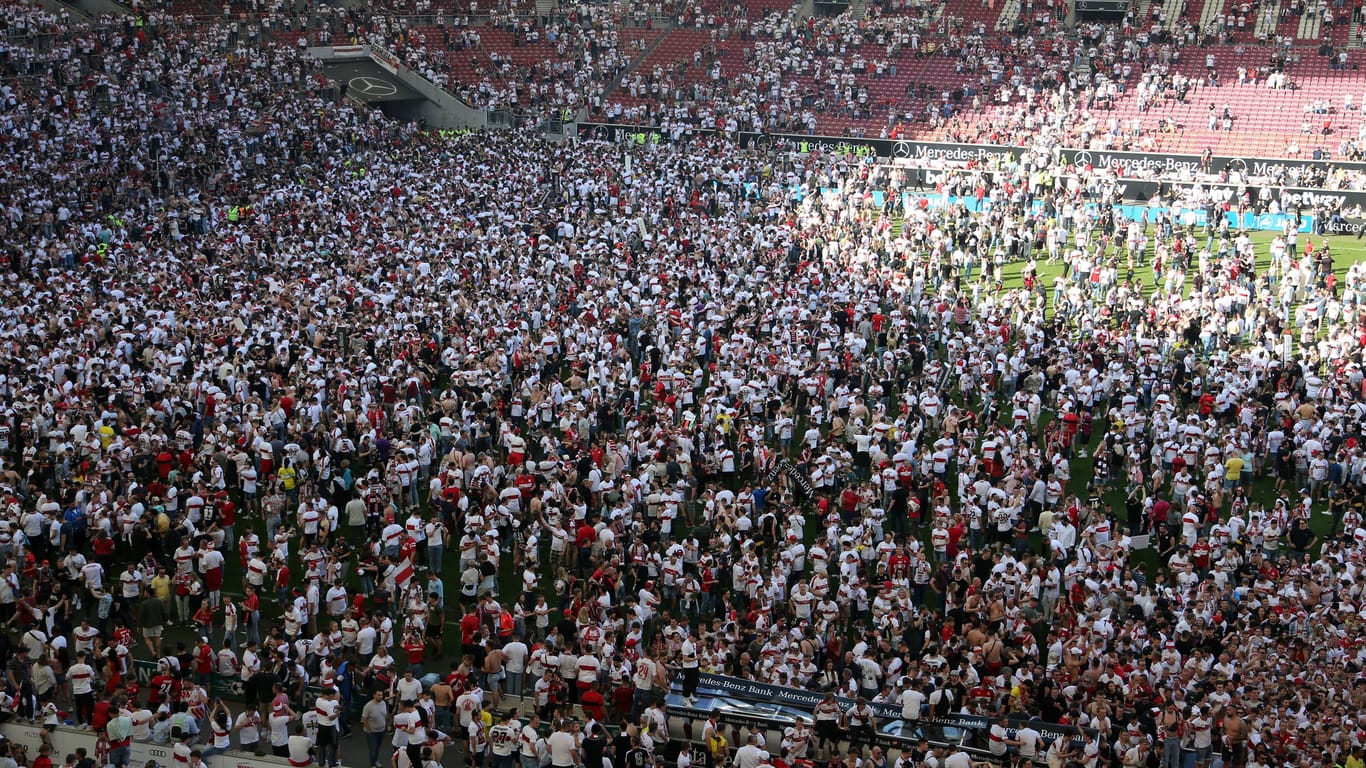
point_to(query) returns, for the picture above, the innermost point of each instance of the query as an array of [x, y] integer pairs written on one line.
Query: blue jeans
[[434, 557], [120, 756], [374, 741], [640, 699]]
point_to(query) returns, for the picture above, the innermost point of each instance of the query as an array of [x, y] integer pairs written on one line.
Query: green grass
[[1347, 251]]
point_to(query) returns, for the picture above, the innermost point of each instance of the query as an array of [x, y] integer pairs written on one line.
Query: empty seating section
[[749, 9], [974, 11], [679, 46], [196, 8]]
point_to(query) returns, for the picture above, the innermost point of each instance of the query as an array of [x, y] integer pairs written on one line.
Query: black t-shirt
[[380, 596], [593, 749], [1300, 537], [636, 758]]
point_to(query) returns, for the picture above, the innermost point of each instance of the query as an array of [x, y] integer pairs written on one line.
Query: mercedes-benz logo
[[901, 149], [371, 86], [1081, 158]]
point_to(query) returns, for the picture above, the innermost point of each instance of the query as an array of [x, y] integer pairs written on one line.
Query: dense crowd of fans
[[351, 400]]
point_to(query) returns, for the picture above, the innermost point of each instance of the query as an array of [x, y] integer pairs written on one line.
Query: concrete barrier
[[65, 740]]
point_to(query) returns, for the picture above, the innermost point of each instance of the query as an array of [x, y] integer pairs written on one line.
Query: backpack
[[942, 702]]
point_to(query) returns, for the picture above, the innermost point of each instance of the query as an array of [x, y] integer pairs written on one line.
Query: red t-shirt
[[593, 704], [468, 626], [416, 649]]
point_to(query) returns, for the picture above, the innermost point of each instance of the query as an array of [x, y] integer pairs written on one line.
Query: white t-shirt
[[688, 651], [1029, 742], [327, 710], [528, 741], [82, 678], [957, 760], [911, 702], [402, 721], [132, 583], [248, 730], [142, 724], [279, 730], [562, 745]]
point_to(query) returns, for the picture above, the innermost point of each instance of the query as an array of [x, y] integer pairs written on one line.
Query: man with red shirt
[[227, 517], [416, 649], [583, 539], [469, 625], [899, 564], [594, 706]]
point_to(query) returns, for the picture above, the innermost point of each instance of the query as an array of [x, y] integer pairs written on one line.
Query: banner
[[385, 58], [768, 693], [909, 149], [798, 478], [1101, 10], [1344, 225], [1262, 222]]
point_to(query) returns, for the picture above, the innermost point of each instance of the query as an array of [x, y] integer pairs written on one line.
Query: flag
[[403, 575]]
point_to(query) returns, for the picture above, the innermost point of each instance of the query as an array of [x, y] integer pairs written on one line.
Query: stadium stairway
[[1309, 26], [57, 6], [1209, 12], [1010, 13], [1266, 24], [88, 7], [610, 93], [670, 49], [1172, 9]]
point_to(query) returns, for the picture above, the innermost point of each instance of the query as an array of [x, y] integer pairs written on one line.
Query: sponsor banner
[[1123, 164], [1287, 197], [767, 693], [794, 475], [1344, 225], [385, 58], [1090, 9], [906, 149], [635, 134], [1263, 222], [744, 720]]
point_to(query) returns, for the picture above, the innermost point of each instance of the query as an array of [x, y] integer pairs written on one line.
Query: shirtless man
[[493, 674], [1169, 729], [1235, 737]]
